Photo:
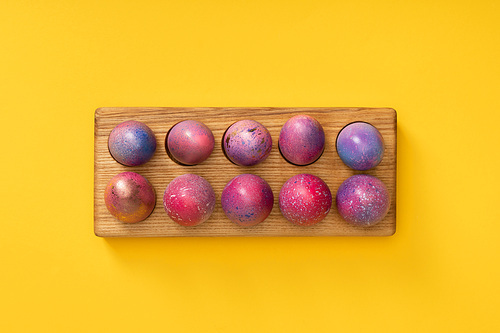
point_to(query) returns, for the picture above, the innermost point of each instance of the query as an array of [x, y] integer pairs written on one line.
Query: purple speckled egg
[[189, 200], [301, 140], [190, 142], [247, 200], [132, 143], [363, 200], [247, 142], [360, 146], [305, 199], [130, 197]]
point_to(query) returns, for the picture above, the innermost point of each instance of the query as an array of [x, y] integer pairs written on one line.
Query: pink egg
[[305, 199], [247, 142], [301, 140], [190, 142], [130, 197], [247, 200], [189, 200]]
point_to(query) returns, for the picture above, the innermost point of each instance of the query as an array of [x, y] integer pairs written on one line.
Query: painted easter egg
[[130, 197], [189, 142], [301, 140], [363, 200], [247, 142], [132, 143], [305, 199], [360, 146], [189, 200], [247, 200]]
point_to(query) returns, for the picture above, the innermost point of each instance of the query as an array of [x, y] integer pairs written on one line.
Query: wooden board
[[160, 170]]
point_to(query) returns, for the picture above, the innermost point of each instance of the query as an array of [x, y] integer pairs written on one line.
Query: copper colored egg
[[130, 197]]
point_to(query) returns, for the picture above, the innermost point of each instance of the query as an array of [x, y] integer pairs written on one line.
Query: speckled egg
[[130, 197], [247, 200], [189, 142], [363, 200], [132, 143], [301, 140], [189, 200], [305, 199], [360, 146], [247, 142]]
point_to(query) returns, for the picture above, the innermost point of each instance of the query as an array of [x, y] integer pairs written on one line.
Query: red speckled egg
[[247, 200], [189, 142], [247, 142], [305, 199], [130, 197], [132, 143], [189, 200], [301, 140]]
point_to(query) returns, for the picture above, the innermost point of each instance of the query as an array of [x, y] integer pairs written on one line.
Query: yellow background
[[435, 62]]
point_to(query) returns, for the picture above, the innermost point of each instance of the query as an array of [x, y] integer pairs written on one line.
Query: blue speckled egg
[[247, 142], [360, 146], [132, 143]]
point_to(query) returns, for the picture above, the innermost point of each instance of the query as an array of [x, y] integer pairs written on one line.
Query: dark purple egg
[[247, 142], [360, 146], [301, 140], [132, 143], [247, 200], [190, 142], [363, 200], [189, 200], [130, 197], [305, 199]]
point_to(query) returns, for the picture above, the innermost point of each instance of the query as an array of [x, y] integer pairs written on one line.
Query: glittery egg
[[247, 142], [132, 143], [305, 199], [189, 200], [247, 200], [190, 142], [360, 146], [301, 140], [363, 200], [130, 197]]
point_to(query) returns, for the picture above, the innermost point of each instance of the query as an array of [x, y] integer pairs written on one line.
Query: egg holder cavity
[[218, 170]]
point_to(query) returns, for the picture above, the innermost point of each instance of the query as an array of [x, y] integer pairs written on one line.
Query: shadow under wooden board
[[160, 170]]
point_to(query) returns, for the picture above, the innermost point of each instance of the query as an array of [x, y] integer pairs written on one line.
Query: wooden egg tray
[[160, 170]]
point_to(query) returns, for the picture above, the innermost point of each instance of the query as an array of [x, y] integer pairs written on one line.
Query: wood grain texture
[[160, 170]]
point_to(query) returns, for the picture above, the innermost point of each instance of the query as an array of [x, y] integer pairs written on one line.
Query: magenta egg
[[360, 146], [247, 200], [132, 143], [247, 142], [363, 200], [305, 199], [189, 200], [301, 140], [130, 197], [189, 142]]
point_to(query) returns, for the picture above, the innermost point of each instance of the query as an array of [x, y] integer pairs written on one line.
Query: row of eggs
[[247, 199], [247, 142]]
